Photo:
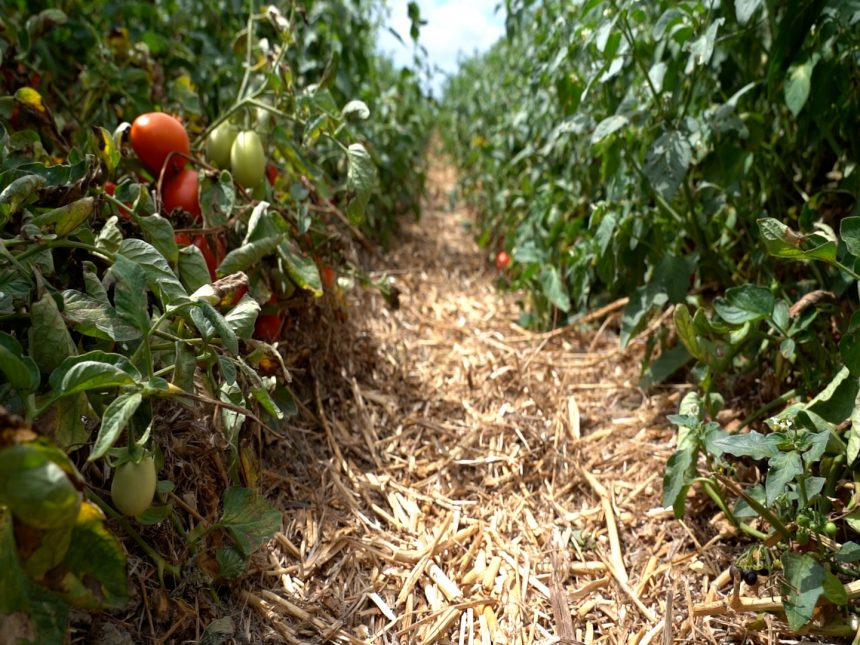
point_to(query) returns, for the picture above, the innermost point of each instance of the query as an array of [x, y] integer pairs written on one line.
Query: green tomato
[[830, 529], [219, 144], [803, 520], [802, 536], [133, 486], [248, 159]]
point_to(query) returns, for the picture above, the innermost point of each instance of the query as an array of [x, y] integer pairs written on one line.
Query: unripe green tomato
[[133, 486], [803, 520], [802, 536], [248, 160], [219, 143], [830, 529]]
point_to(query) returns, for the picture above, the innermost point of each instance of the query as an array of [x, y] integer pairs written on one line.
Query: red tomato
[[503, 261], [328, 276], [181, 191], [212, 261], [110, 189], [268, 325], [155, 135], [271, 172]]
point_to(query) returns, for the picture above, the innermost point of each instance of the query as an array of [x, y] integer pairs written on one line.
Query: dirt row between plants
[[453, 478]]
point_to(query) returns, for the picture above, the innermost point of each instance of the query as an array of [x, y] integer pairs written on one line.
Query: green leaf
[[702, 48], [849, 345], [96, 370], [780, 241], [361, 171], [217, 198], [803, 585], [116, 416], [835, 403], [192, 268], [68, 217], [644, 300], [109, 238], [159, 232], [301, 269], [231, 563], [687, 333], [782, 469], [21, 371], [249, 254], [745, 303], [17, 194], [677, 478], [130, 293], [667, 162], [35, 488], [249, 519], [553, 288], [50, 341], [669, 362], [242, 317], [849, 231], [798, 83], [606, 127], [159, 277], [749, 444], [211, 318], [95, 318], [64, 421]]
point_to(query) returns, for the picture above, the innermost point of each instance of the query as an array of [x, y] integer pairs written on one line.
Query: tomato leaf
[[159, 232], [21, 371], [745, 303], [91, 371], [17, 194], [302, 269], [130, 293], [803, 585], [50, 341], [35, 488], [241, 318], [116, 416], [192, 268], [217, 198], [249, 254], [249, 519], [159, 277], [667, 162], [95, 318]]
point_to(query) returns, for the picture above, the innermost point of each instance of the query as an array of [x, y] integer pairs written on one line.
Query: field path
[[462, 480]]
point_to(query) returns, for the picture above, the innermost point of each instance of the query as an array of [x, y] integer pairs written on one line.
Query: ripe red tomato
[[181, 191], [271, 173], [212, 260], [503, 261], [155, 135], [110, 189], [268, 325], [328, 276]]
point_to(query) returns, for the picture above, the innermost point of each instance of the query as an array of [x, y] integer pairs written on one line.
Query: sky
[[454, 27]]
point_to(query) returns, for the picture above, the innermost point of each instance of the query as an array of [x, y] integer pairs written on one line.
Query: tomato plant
[[248, 159], [133, 486], [110, 189], [212, 258], [182, 191], [156, 135]]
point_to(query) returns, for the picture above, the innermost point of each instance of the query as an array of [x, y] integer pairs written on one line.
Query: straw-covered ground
[[457, 479], [453, 478]]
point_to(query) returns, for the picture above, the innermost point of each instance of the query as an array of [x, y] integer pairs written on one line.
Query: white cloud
[[454, 28]]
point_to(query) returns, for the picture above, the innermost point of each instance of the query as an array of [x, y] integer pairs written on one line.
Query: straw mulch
[[456, 479]]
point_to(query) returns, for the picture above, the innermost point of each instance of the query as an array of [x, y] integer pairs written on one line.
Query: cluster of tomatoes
[[162, 145]]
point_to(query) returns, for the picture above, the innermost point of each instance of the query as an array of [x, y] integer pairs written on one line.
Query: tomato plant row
[[143, 258], [678, 153]]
